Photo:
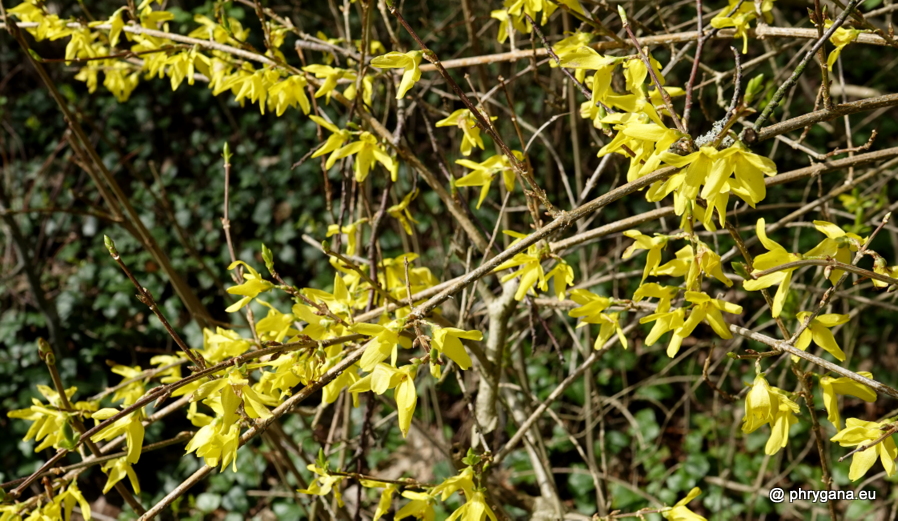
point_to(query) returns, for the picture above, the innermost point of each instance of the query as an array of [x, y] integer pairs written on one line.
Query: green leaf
[[208, 502], [754, 87]]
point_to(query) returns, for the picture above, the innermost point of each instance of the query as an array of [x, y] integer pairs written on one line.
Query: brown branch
[[695, 62], [651, 70], [818, 116], [892, 429], [828, 263], [146, 298], [785, 346], [260, 426], [763, 31], [564, 220], [482, 122], [781, 91]]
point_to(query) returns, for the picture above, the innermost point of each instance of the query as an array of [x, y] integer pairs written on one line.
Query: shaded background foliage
[[164, 149]]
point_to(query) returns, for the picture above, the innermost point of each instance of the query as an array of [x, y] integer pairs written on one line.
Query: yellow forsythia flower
[[398, 60], [466, 122], [483, 174], [765, 404], [819, 331], [324, 484], [420, 506], [838, 244], [775, 256], [253, 284], [446, 341], [130, 425], [830, 387], [857, 432], [402, 380], [680, 512], [117, 469], [367, 150], [840, 38], [475, 509], [741, 19], [400, 212]]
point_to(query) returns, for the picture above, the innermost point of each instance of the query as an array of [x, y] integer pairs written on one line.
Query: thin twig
[[481, 120], [695, 61], [781, 92], [147, 299], [651, 70]]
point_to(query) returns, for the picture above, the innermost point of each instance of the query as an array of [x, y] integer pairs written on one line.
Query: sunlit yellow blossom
[[643, 142], [130, 425], [276, 325], [334, 142], [446, 341], [562, 276], [609, 325], [59, 506], [367, 150], [665, 320], [703, 167], [253, 284], [654, 245], [859, 432], [386, 499], [838, 244], [591, 312], [840, 38], [664, 294], [383, 344], [401, 213], [132, 391], [211, 30], [880, 267], [573, 53], [154, 19], [48, 25], [182, 66], [290, 92], [48, 421], [680, 512], [350, 231], [531, 271], [234, 390], [474, 509], [692, 265], [420, 506], [819, 331], [408, 61], [117, 470], [222, 343], [340, 302], [465, 120], [708, 309], [591, 306], [775, 256], [402, 380], [463, 481], [484, 173], [330, 75], [765, 404], [216, 445], [172, 374], [741, 18], [119, 78], [830, 387], [566, 47]]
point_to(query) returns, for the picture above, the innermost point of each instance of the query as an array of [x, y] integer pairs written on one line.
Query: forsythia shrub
[[363, 340]]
